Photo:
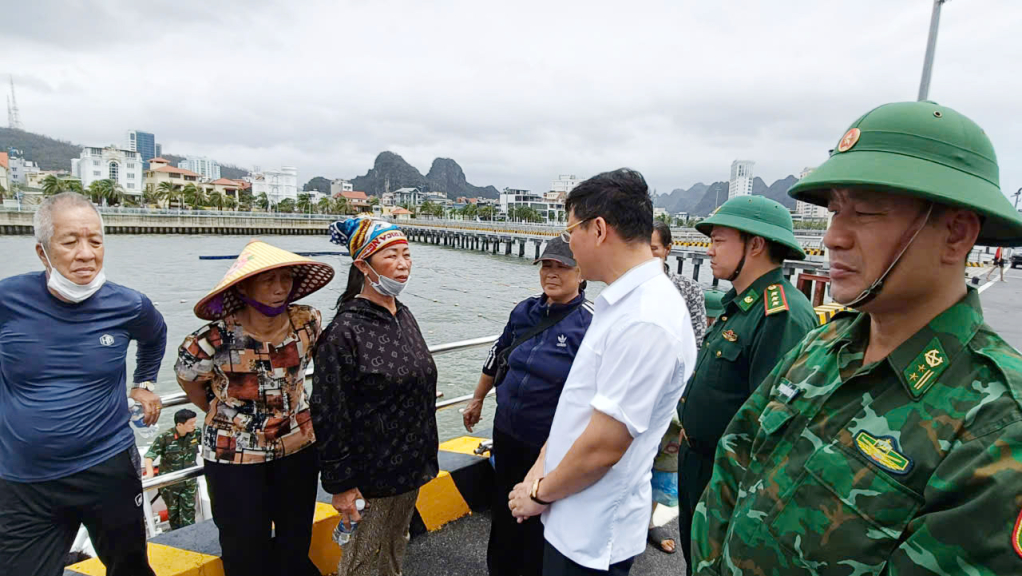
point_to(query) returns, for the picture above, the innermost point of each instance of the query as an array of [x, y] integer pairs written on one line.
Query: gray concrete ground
[[460, 548]]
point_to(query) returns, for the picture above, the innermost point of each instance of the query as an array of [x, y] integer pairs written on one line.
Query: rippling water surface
[[455, 294]]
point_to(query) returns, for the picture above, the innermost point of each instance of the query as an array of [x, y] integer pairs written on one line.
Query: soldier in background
[[763, 316], [890, 440], [177, 448]]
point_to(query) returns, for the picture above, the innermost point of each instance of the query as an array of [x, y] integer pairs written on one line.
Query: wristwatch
[[534, 493], [147, 385]]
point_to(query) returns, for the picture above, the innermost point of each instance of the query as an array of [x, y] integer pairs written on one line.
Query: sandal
[[658, 535]]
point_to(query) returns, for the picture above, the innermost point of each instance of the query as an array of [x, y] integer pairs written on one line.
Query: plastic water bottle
[[341, 534], [138, 421]]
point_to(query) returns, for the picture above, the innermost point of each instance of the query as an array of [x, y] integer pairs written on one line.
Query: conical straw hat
[[256, 258]]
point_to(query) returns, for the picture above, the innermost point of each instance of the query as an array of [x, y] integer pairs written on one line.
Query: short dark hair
[[664, 231], [183, 415], [620, 197], [777, 252]]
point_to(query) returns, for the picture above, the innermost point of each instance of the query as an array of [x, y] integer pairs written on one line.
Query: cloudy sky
[[516, 92]]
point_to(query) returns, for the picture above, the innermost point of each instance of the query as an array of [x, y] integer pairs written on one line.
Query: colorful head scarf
[[365, 236]]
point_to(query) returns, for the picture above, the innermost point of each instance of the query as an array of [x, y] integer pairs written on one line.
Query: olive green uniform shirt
[[757, 328], [911, 465], [175, 452]]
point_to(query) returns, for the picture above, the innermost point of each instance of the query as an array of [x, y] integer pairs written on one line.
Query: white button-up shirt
[[632, 365]]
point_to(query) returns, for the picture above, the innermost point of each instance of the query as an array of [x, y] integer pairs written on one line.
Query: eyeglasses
[[566, 233]]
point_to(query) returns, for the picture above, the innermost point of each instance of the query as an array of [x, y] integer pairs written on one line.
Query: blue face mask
[[387, 286]]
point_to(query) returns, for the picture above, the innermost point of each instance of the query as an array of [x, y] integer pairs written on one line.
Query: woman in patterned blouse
[[374, 401], [246, 370]]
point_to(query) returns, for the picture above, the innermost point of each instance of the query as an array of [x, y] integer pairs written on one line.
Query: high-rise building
[[122, 166], [209, 169], [805, 209], [740, 183], [19, 170], [144, 143]]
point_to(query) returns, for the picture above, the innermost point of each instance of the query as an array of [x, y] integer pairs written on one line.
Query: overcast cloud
[[516, 92]]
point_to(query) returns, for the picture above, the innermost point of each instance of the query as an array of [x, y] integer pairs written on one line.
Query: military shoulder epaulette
[[775, 300]]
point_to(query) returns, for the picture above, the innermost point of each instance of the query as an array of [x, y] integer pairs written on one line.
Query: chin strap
[[741, 263], [867, 295]]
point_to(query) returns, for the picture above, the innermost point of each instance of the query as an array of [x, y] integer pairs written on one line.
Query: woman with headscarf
[[246, 370], [374, 400]]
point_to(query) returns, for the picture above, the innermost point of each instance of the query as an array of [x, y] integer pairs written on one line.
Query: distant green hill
[[49, 153], [53, 154]]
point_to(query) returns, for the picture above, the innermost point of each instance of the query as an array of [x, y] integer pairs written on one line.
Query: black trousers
[[252, 501], [557, 564], [514, 549], [694, 471], [39, 520]]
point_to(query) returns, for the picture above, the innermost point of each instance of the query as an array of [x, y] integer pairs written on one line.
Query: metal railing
[[226, 213], [180, 398]]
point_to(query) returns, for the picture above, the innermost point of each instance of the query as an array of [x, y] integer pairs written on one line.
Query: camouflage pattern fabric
[[177, 453], [180, 501], [910, 465]]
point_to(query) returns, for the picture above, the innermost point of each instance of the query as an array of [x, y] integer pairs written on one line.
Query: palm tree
[[193, 196], [115, 195], [98, 190], [230, 203], [53, 185], [323, 206], [340, 205], [74, 185], [286, 205], [487, 212], [304, 203], [216, 198], [262, 201], [166, 192], [150, 196]]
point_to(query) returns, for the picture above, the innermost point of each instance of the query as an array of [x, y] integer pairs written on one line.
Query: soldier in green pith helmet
[[890, 440], [761, 318], [177, 448]]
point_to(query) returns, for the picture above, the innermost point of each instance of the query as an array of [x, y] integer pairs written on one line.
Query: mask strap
[[867, 295]]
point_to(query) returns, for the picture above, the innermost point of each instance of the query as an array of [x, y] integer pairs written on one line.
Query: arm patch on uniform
[[775, 300]]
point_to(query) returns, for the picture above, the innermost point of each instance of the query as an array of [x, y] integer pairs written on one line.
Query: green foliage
[[324, 206], [304, 203], [217, 199], [262, 201], [49, 153], [286, 205]]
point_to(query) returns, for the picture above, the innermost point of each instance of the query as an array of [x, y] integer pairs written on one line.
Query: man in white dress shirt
[[591, 482]]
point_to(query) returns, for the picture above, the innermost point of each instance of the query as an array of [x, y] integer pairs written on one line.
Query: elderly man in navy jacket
[[67, 454], [532, 359]]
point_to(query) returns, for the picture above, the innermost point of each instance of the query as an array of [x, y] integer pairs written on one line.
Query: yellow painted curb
[[462, 445], [440, 502], [323, 551], [165, 561]]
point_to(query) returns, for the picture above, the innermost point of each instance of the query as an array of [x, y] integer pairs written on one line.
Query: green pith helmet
[[714, 305], [758, 216], [924, 150]]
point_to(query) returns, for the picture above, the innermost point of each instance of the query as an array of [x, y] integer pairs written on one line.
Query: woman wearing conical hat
[[246, 370], [374, 400]]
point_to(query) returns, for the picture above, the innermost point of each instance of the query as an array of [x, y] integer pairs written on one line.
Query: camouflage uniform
[[177, 453], [911, 464], [833, 467]]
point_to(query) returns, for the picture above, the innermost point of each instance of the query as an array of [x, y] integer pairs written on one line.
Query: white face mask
[[69, 290], [387, 286]]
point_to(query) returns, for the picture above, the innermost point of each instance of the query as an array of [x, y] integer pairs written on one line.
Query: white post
[[931, 46]]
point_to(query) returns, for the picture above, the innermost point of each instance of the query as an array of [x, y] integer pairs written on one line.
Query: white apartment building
[[278, 185], [121, 166], [565, 183], [208, 169], [339, 185], [805, 209], [740, 183], [550, 210], [20, 169]]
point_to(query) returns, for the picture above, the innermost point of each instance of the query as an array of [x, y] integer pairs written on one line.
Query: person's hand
[[521, 505], [150, 402], [472, 413], [345, 504]]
